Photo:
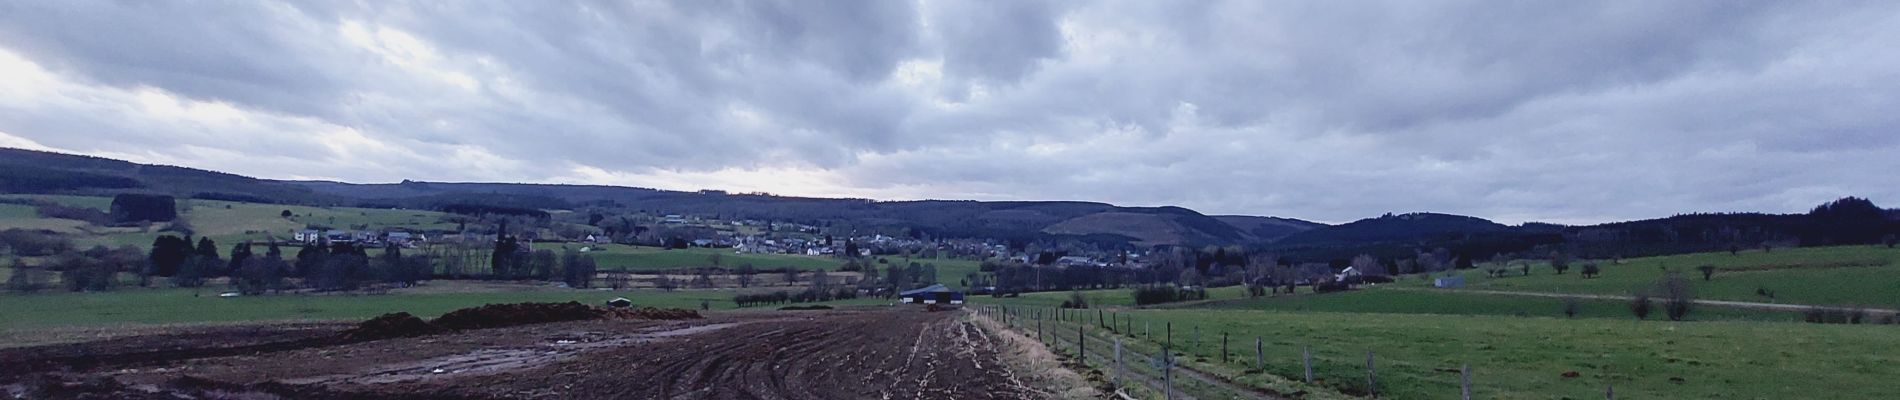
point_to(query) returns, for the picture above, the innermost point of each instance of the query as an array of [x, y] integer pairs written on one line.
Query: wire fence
[[1146, 355]]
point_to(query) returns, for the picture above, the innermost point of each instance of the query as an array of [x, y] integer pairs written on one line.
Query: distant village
[[748, 236]]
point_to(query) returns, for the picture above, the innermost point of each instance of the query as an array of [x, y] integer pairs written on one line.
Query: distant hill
[[1166, 226], [1140, 226], [27, 171], [1846, 221], [1401, 235], [1401, 227], [1849, 220], [1268, 229]]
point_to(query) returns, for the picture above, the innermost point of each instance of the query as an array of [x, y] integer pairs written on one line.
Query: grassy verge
[[1419, 355]]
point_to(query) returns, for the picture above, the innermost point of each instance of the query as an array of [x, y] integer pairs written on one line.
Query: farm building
[[933, 294]]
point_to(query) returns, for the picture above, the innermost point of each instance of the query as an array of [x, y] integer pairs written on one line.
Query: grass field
[[224, 222], [1418, 356], [95, 202], [645, 258], [1843, 275], [17, 211], [1521, 347], [1387, 301]]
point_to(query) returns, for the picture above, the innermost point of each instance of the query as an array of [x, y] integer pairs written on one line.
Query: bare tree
[[1678, 296], [1189, 277], [1366, 264], [1708, 272], [820, 280], [703, 278], [1260, 273], [1572, 305], [745, 275], [619, 279]]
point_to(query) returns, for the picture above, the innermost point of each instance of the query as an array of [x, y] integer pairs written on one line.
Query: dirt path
[[1142, 368], [1718, 303], [855, 354]]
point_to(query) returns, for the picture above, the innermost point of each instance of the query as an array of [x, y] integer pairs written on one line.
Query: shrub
[[24, 279], [1708, 271], [61, 211], [1591, 270], [1640, 304], [1834, 315], [1165, 294], [1572, 305], [1075, 300], [1560, 262], [28, 243]]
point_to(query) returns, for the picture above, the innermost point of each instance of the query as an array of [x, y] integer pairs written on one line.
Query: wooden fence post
[[1306, 359], [1223, 347], [1118, 363], [1372, 376], [1259, 355], [1167, 372], [1464, 382], [1081, 346]]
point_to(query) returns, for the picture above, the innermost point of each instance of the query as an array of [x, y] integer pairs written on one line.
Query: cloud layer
[[1548, 111]]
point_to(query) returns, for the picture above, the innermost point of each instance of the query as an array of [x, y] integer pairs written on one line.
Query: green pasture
[[1841, 275]]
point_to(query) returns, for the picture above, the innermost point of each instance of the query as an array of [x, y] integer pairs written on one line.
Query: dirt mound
[[403, 324], [503, 315], [393, 325], [805, 308]]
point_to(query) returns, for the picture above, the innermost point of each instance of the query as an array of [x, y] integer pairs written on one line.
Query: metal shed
[[933, 294]]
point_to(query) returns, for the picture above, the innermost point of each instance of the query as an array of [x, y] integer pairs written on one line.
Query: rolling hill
[[27, 171]]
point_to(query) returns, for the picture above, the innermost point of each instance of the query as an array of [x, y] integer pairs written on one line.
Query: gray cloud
[[1559, 111]]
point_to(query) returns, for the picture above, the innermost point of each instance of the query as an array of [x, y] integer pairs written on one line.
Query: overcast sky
[[1563, 111]]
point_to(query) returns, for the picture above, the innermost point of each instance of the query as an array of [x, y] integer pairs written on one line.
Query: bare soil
[[884, 353]]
